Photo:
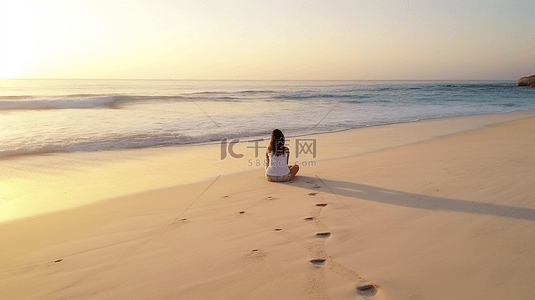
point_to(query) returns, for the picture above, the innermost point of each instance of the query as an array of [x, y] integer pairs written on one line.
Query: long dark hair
[[277, 143]]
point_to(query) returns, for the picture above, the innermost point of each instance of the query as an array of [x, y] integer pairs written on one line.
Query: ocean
[[41, 116]]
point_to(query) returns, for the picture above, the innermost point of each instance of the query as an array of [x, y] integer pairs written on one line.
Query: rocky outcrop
[[526, 81]]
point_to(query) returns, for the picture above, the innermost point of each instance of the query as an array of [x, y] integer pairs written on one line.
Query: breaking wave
[[65, 103]]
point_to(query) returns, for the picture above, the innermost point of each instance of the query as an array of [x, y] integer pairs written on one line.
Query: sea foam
[[67, 103]]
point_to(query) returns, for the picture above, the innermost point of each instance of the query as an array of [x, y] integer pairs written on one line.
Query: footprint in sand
[[316, 186], [321, 260], [318, 261], [367, 290], [57, 261]]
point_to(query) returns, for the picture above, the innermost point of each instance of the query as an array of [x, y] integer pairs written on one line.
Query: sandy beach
[[440, 209]]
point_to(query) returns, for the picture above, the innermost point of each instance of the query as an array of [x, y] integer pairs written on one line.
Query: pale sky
[[268, 40]]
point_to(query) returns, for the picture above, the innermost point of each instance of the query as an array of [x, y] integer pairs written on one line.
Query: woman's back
[[278, 165], [277, 155]]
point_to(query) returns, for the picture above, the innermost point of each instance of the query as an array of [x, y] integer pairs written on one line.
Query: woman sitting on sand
[[277, 156]]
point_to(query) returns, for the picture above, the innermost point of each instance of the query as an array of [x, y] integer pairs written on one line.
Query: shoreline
[[216, 142], [77, 175]]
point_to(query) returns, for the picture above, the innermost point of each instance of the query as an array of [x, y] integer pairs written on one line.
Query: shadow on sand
[[381, 195]]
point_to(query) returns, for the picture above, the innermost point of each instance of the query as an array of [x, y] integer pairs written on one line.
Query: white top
[[278, 165]]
